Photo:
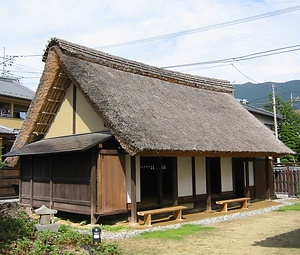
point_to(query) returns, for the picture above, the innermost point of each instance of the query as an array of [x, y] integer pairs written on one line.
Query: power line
[[202, 29], [243, 73], [244, 57]]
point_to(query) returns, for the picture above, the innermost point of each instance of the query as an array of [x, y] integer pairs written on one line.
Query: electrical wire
[[243, 73], [202, 29], [242, 58]]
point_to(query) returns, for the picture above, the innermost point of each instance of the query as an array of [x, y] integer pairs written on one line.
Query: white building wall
[[200, 175], [184, 166], [128, 178], [251, 173], [226, 174]]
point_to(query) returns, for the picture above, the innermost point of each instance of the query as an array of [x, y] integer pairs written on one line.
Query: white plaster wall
[[184, 165], [63, 121], [87, 120], [226, 174], [251, 173], [128, 178], [200, 175]]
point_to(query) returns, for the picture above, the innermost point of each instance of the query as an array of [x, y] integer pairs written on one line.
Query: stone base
[[48, 227]]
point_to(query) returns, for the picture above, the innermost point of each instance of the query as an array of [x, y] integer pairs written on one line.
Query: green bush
[[18, 237]]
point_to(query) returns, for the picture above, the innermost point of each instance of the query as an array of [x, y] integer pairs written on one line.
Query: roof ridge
[[135, 67]]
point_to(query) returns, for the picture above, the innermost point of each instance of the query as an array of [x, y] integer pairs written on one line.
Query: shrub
[[18, 237]]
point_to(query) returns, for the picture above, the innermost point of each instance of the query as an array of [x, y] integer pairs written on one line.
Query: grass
[[293, 207], [175, 234]]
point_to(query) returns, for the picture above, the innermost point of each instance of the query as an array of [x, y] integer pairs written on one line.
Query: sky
[[201, 31]]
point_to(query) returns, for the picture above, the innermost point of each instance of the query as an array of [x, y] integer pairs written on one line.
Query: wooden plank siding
[[287, 180], [9, 182], [61, 181], [111, 186]]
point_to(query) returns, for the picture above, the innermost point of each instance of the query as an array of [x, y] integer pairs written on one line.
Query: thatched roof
[[149, 110]]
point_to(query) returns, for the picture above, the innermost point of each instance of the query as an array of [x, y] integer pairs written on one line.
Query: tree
[[288, 126]]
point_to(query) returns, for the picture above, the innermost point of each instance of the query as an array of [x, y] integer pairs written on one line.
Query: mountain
[[258, 94]]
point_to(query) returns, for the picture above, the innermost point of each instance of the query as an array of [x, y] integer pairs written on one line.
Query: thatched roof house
[[149, 111]]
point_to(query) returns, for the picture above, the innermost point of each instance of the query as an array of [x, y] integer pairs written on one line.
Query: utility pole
[[3, 67], [294, 99], [275, 115]]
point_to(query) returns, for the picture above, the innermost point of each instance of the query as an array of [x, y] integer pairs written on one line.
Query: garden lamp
[[96, 232]]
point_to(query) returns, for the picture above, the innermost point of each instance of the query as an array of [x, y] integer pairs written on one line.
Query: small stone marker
[[45, 213]]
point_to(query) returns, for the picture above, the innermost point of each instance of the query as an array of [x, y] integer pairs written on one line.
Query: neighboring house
[[14, 102], [264, 116], [106, 135]]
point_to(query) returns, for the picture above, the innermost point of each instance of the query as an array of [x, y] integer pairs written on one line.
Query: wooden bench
[[177, 213], [242, 200]]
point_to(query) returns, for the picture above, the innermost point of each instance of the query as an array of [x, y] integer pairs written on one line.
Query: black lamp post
[[96, 231]]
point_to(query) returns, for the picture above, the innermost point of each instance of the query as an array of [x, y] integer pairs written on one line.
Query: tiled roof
[[12, 88], [7, 130]]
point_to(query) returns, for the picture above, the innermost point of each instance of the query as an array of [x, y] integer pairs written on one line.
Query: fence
[[287, 179], [9, 182]]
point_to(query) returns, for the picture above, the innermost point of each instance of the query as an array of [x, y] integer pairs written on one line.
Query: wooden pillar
[[20, 181], [133, 218], [74, 109], [51, 184], [1, 145], [175, 181], [268, 196], [93, 187], [31, 182], [289, 181], [208, 186], [247, 178], [194, 180], [12, 109], [159, 182]]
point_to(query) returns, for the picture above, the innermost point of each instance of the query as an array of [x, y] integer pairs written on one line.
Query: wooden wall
[[9, 182], [59, 181]]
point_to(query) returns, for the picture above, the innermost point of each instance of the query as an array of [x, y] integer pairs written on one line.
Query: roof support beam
[[43, 124], [57, 88], [48, 113], [53, 101]]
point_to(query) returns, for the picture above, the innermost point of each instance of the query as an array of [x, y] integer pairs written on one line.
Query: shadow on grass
[[286, 240]]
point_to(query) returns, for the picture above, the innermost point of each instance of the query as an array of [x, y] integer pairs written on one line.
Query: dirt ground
[[270, 233]]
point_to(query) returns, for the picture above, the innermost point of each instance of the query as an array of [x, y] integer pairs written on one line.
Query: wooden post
[[74, 109], [268, 196], [159, 182], [208, 186], [247, 179], [31, 182], [194, 180], [93, 187], [133, 218], [289, 181], [20, 181], [175, 181], [51, 184]]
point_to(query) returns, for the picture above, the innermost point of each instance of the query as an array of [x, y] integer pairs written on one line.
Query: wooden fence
[[9, 182], [287, 179]]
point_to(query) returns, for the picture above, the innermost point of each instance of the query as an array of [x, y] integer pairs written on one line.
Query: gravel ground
[[208, 221], [229, 217]]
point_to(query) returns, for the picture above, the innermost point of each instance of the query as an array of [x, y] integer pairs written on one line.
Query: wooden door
[[239, 178], [111, 186]]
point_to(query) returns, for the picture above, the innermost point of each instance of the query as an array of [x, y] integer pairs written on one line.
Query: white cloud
[[27, 25]]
